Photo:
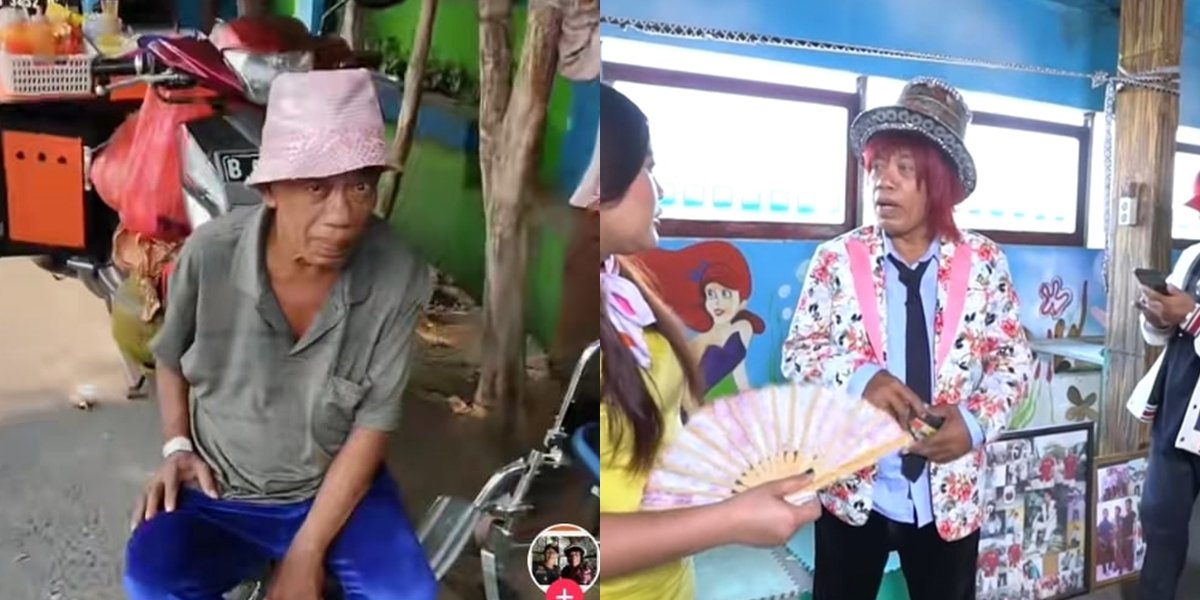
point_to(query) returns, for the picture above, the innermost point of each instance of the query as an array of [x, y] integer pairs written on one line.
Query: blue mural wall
[[1075, 35], [1061, 294]]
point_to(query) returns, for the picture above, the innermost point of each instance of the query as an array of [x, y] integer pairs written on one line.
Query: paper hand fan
[[764, 435]]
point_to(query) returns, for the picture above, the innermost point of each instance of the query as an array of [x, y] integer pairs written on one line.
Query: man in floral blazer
[[920, 319]]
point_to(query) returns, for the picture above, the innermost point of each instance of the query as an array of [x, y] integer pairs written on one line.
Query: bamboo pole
[[1146, 124], [512, 123], [410, 107]]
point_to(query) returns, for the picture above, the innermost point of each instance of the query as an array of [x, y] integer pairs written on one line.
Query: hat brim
[[899, 118], [261, 176]]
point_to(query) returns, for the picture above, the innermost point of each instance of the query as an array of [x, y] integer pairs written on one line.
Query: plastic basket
[[25, 75]]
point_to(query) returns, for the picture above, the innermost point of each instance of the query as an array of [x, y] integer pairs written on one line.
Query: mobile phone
[[923, 427], [1155, 280]]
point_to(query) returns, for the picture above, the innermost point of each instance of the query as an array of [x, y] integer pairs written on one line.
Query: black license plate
[[236, 168]]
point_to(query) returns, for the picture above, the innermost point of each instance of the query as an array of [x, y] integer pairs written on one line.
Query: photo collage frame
[[1034, 543]]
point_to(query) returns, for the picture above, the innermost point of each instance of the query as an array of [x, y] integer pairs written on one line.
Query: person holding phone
[[921, 320], [1170, 318]]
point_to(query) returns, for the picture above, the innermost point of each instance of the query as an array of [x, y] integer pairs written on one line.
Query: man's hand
[[891, 395], [162, 491], [1166, 310], [300, 576], [951, 441]]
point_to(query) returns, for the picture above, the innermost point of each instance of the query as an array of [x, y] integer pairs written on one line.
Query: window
[[1028, 181], [1033, 180], [740, 158], [1185, 222]]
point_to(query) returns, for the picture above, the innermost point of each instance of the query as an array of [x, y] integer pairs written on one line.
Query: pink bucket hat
[[321, 124]]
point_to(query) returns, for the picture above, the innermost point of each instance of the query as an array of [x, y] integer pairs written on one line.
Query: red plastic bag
[[108, 167], [138, 173]]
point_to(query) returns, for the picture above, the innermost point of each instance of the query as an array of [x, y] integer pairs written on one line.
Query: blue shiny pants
[[206, 547], [1168, 495]]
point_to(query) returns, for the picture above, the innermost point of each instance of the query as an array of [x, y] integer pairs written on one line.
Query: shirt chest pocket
[[334, 417]]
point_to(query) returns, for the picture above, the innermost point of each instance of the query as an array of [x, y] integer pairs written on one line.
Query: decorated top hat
[[928, 107]]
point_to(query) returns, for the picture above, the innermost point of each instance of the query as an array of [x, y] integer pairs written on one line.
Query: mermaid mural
[[709, 285]]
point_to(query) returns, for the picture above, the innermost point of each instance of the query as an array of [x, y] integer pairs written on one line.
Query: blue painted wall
[[1080, 35], [1053, 284]]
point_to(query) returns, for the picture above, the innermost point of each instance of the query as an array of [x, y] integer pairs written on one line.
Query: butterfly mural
[[1083, 408]]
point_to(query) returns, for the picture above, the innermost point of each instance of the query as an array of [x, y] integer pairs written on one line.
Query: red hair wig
[[935, 173], [683, 274]]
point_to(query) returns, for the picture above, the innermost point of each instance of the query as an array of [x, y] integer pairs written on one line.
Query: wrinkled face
[[630, 224], [901, 202], [323, 219], [722, 303]]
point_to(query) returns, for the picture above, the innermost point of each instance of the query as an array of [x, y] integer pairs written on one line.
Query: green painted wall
[[456, 41], [444, 219], [283, 7], [439, 207]]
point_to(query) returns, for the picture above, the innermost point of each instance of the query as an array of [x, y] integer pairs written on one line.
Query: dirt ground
[[68, 476]]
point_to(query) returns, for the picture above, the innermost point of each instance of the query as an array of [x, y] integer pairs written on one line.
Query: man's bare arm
[[349, 477], [173, 340], [173, 402]]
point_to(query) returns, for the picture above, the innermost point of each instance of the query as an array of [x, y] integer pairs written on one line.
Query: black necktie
[[918, 364]]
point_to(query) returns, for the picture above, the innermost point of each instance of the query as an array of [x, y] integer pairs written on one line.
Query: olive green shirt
[[269, 413]]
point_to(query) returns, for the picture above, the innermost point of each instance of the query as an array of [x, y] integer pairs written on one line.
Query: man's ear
[[268, 198]]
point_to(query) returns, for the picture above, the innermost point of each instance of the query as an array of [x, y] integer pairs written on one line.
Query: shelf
[[1084, 349]]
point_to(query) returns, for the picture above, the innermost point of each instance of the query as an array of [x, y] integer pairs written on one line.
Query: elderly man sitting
[[285, 347]]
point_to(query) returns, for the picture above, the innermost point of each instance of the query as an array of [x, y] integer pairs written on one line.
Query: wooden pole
[[1144, 159], [511, 131], [410, 107]]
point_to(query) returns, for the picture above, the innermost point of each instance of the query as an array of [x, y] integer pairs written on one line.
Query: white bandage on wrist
[[177, 444]]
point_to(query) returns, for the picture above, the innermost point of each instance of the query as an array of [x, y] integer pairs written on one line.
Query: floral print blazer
[[982, 356]]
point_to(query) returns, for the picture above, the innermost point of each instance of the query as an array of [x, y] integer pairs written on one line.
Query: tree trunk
[[495, 85], [252, 8], [352, 25], [510, 163], [410, 106]]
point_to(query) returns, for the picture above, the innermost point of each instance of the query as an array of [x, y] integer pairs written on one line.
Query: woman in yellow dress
[[648, 378]]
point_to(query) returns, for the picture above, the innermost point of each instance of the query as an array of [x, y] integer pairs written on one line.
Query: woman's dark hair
[[624, 145], [623, 387]]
